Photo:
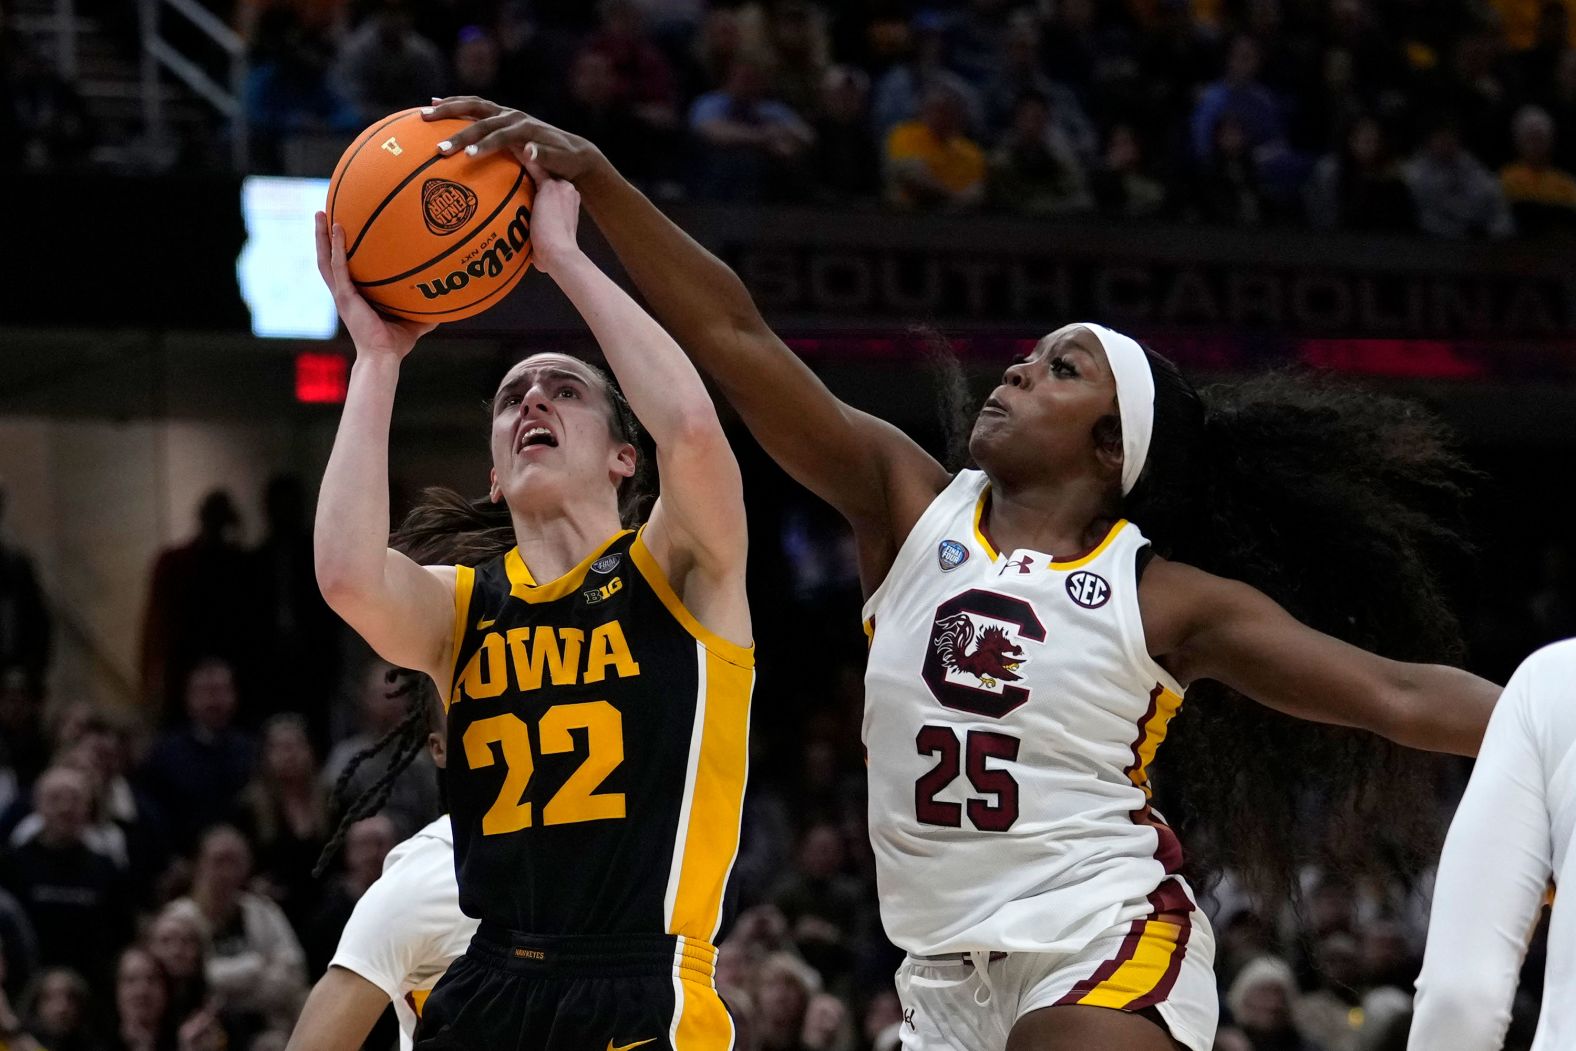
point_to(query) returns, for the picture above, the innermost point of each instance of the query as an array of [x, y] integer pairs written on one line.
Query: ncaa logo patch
[[605, 564], [1089, 590], [446, 205], [951, 555]]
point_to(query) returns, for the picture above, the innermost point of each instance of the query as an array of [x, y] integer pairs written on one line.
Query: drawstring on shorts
[[981, 958]]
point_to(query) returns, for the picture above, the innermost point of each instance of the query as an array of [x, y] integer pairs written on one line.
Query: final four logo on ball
[[446, 205], [951, 555]]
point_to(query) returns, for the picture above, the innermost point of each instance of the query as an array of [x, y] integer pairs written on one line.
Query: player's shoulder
[[1549, 672], [1540, 693], [485, 579], [417, 878], [1554, 664], [434, 840], [446, 574], [1555, 656]]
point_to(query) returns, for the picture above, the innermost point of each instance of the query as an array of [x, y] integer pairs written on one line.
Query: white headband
[[1135, 398]]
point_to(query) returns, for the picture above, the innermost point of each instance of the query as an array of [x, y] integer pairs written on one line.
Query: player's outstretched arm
[[697, 530], [339, 1013], [404, 611], [873, 473], [1207, 627]]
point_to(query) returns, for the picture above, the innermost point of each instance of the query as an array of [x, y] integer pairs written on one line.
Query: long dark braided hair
[[448, 529], [423, 715]]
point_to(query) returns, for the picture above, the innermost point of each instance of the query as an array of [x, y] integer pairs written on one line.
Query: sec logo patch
[[1089, 590]]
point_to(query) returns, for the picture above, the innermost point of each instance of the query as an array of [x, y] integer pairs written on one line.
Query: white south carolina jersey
[[1012, 711], [1510, 844], [407, 928]]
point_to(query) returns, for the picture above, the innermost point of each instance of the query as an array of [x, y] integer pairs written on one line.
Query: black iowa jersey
[[597, 748]]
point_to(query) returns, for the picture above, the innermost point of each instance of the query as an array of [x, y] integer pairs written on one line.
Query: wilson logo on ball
[[489, 263], [446, 205]]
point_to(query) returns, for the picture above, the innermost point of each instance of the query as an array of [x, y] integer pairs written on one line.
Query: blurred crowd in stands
[[156, 887], [1456, 118]]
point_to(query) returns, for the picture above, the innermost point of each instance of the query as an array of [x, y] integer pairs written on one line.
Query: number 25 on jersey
[[983, 745]]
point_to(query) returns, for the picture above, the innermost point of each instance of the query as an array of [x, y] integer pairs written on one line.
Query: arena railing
[[159, 55]]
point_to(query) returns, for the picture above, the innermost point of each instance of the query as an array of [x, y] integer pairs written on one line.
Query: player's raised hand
[[555, 218], [372, 332], [494, 127]]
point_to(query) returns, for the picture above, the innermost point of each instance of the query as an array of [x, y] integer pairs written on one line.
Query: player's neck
[[553, 544], [1061, 519]]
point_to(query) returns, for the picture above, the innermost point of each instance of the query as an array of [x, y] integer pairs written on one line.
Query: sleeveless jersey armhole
[[1145, 556], [464, 584], [646, 565], [1133, 618], [912, 552]]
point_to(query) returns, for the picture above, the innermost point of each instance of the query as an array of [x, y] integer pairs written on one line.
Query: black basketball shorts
[[523, 992]]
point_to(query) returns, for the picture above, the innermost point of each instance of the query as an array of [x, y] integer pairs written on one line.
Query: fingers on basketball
[[324, 249], [460, 106], [533, 167], [480, 136], [342, 282]]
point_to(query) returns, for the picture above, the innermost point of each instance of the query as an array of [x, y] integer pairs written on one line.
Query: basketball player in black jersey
[[597, 679]]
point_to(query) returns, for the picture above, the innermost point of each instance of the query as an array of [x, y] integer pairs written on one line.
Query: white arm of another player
[[408, 923], [1493, 876]]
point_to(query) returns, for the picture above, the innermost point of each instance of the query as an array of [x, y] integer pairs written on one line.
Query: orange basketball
[[429, 237]]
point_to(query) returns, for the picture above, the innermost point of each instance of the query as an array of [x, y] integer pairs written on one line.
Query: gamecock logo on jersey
[[975, 653]]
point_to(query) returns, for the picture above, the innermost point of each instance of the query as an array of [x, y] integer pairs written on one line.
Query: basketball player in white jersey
[[1027, 651], [403, 934], [1509, 843]]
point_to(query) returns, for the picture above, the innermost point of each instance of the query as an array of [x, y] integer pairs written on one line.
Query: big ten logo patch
[[976, 654], [605, 592]]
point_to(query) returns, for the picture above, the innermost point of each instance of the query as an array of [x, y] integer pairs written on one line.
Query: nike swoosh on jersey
[[626, 1047], [483, 625]]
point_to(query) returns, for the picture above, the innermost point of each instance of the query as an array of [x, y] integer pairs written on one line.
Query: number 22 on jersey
[[577, 799]]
